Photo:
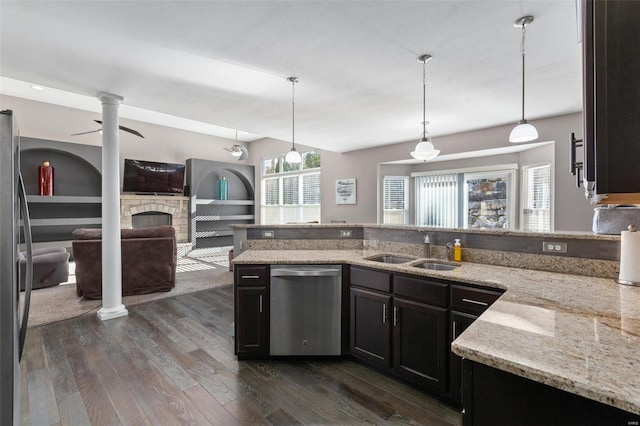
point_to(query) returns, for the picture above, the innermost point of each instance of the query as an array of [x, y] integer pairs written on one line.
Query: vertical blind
[[537, 211], [437, 200], [396, 200]]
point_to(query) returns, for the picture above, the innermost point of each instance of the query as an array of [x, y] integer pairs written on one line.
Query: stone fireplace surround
[[176, 206]]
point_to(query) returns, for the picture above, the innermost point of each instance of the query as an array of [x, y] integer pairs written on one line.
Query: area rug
[[61, 302]]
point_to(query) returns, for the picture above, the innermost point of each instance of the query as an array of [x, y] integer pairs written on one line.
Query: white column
[[112, 306]]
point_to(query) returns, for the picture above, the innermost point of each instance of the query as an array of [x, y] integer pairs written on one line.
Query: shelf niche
[[77, 199], [211, 216]]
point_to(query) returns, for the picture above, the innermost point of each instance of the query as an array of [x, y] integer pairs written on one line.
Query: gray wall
[[572, 211]]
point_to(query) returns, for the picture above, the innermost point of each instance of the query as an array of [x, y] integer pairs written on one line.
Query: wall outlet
[[268, 234], [345, 233], [549, 247]]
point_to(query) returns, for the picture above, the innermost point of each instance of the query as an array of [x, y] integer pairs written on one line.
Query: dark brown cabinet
[[419, 343], [370, 326], [400, 323], [467, 303], [611, 58], [251, 300]]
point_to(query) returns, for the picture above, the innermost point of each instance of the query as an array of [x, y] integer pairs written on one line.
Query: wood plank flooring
[[171, 362]]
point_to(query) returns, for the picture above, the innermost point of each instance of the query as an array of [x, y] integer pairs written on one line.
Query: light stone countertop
[[575, 333]]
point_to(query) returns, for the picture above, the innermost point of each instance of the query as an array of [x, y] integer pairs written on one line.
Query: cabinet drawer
[[419, 289], [251, 275], [375, 280], [472, 300]]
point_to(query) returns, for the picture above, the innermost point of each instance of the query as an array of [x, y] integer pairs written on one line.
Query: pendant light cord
[[524, 32], [293, 112], [424, 100]]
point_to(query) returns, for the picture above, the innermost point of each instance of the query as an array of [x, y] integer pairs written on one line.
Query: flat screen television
[[150, 177]]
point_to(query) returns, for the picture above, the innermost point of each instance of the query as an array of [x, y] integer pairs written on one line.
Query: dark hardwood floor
[[171, 362]]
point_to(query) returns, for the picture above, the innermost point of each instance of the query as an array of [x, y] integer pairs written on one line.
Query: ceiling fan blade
[[84, 133], [126, 129]]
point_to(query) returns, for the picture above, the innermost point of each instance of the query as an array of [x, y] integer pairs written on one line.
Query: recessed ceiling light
[[36, 87]]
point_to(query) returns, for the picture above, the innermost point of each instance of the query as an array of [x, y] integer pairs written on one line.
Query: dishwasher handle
[[291, 272]]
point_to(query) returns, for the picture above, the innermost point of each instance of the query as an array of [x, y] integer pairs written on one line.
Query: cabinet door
[[420, 343], [252, 321], [459, 323], [369, 335]]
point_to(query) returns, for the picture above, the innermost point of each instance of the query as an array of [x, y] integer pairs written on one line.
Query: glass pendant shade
[[425, 151], [523, 132], [293, 156]]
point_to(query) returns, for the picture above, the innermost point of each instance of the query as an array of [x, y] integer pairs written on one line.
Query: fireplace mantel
[[176, 206]]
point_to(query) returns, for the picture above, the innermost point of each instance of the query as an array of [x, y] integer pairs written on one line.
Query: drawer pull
[[250, 277], [475, 302]]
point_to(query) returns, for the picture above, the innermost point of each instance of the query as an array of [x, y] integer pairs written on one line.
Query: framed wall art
[[346, 191]]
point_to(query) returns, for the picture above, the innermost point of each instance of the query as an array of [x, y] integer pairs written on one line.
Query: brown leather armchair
[[149, 258]]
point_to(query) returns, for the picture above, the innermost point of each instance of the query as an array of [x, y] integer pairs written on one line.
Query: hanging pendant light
[[523, 132], [424, 150], [293, 156]]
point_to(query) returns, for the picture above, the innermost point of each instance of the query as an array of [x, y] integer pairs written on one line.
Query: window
[[437, 200], [291, 192], [536, 215], [396, 200]]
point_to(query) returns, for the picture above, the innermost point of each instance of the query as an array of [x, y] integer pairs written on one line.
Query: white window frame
[[405, 210], [524, 194], [280, 176]]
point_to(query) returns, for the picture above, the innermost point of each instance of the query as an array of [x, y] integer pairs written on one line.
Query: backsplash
[[586, 254]]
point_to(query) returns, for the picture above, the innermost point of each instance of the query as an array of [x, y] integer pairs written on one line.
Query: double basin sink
[[429, 264]]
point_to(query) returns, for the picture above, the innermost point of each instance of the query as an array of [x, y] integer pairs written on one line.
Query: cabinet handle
[[250, 277], [260, 303], [454, 332], [475, 302], [384, 313], [395, 316]]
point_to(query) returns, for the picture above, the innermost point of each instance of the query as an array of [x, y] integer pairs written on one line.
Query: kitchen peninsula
[[576, 333]]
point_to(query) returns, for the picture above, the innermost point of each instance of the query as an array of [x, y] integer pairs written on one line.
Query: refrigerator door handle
[[24, 209]]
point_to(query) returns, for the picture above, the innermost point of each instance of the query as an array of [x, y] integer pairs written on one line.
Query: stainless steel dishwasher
[[305, 309]]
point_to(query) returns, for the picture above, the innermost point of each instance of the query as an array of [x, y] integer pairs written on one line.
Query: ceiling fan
[[126, 129], [238, 150]]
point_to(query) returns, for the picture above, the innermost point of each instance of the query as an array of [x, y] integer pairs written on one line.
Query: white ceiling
[[223, 64]]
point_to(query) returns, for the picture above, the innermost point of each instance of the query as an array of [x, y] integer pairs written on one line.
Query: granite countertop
[[576, 333]]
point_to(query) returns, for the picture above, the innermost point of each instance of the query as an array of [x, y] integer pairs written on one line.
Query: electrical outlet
[[345, 233], [554, 247], [268, 234]]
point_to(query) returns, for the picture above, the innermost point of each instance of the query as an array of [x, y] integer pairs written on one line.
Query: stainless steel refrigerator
[[14, 219]]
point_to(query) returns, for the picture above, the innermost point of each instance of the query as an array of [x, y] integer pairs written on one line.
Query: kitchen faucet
[[427, 244]]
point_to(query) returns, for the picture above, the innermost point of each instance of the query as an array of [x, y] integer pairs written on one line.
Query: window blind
[[537, 211], [437, 200], [396, 199]]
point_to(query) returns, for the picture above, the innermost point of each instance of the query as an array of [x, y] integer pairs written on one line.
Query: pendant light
[[293, 156], [523, 132], [424, 150]]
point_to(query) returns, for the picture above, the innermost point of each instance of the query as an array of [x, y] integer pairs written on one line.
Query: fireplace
[[137, 211], [148, 219]]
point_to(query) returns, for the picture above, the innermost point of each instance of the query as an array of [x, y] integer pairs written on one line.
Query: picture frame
[[346, 191]]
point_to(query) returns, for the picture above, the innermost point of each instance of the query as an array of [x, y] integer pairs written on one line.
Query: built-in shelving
[[211, 217], [77, 199]]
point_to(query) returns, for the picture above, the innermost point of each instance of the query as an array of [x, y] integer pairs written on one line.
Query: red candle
[[46, 178]]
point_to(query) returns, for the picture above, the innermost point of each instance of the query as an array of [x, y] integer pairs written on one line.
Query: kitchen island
[[575, 333]]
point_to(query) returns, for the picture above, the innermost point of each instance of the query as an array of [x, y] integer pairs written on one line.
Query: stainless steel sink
[[435, 266], [389, 258]]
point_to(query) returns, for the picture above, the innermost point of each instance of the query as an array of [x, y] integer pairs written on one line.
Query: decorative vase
[[45, 173], [223, 188]]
